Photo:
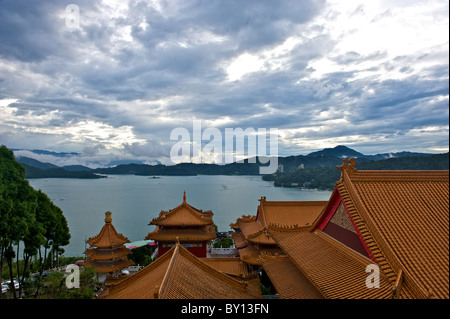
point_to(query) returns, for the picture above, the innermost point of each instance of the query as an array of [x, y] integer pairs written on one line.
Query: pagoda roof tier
[[105, 266], [107, 253], [178, 274], [108, 236], [183, 215], [183, 235]]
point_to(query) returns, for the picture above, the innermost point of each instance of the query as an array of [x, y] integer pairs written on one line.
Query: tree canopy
[[27, 217]]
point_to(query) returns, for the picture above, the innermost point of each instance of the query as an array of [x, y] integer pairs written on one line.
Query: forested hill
[[326, 158], [325, 177]]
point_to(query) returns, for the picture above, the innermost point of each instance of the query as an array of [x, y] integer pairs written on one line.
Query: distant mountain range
[[342, 151], [328, 157]]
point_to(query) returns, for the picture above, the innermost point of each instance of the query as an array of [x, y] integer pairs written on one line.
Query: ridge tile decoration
[[192, 227]]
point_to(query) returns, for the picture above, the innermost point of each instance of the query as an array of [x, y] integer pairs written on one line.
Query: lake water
[[135, 200]]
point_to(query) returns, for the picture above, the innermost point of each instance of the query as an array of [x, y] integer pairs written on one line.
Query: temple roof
[[280, 213], [107, 253], [228, 265], [183, 235], [288, 280], [106, 266], [403, 218], [183, 215], [336, 271], [289, 213], [108, 236], [178, 274]]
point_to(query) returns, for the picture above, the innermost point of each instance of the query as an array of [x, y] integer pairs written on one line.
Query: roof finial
[[108, 218], [348, 165], [184, 197]]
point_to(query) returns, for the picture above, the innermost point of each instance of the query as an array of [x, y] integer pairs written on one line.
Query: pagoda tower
[[191, 227], [107, 254]]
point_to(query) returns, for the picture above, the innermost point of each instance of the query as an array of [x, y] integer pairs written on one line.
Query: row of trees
[[29, 222], [324, 178]]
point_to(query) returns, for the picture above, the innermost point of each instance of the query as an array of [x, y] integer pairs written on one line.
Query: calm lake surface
[[135, 200]]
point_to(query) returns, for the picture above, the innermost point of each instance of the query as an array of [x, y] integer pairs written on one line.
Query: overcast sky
[[371, 75]]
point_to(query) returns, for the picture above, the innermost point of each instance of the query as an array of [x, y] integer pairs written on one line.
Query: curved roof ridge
[[204, 218], [108, 235]]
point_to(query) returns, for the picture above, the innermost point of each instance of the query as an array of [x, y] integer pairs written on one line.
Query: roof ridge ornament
[[348, 165], [108, 219], [184, 199]]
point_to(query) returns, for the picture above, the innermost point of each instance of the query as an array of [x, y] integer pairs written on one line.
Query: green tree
[[55, 231], [17, 208], [28, 218]]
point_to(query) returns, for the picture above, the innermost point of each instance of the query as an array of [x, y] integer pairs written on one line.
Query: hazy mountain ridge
[[326, 158]]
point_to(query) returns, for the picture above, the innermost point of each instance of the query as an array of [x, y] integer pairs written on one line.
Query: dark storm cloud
[[144, 69]]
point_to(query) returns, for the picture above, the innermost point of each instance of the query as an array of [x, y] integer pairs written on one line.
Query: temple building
[[251, 234], [382, 235], [178, 274], [192, 227], [107, 253]]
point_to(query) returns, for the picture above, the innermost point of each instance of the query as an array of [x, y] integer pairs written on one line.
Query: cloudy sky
[[117, 78]]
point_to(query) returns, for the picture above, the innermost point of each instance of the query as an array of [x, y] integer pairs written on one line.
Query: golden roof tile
[[108, 236], [178, 274], [335, 270], [183, 215], [228, 265], [239, 240], [287, 279], [183, 235], [288, 213], [106, 266], [403, 218], [107, 253]]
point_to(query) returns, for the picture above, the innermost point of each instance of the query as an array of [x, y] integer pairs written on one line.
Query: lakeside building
[[381, 235], [191, 227], [388, 225], [108, 254]]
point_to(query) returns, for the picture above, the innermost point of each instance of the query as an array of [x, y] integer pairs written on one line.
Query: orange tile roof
[[280, 213], [336, 271], [108, 236], [178, 274], [183, 235], [251, 254], [239, 240], [403, 218], [287, 279], [289, 213], [183, 215], [106, 266], [228, 265], [107, 253], [253, 231]]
